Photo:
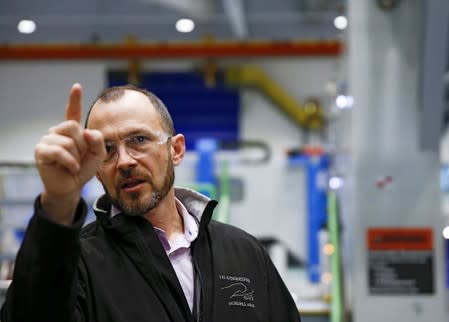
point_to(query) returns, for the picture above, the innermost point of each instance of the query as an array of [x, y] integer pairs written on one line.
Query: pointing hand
[[67, 157]]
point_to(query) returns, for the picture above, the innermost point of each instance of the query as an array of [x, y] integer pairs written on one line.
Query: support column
[[396, 184]]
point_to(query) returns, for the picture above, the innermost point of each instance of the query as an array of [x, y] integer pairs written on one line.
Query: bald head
[[115, 93]]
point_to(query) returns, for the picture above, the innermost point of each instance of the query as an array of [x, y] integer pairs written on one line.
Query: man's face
[[137, 176]]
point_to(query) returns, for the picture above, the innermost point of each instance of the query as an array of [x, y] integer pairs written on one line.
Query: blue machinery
[[205, 166], [316, 166], [206, 181], [322, 213]]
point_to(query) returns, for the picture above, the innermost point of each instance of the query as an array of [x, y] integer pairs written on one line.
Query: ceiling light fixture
[[446, 232], [344, 101], [26, 26], [335, 183], [341, 22], [185, 25]]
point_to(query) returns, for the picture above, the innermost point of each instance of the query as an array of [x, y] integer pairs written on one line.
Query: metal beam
[[215, 49]]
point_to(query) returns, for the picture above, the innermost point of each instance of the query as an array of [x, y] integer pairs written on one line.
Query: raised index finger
[[73, 108]]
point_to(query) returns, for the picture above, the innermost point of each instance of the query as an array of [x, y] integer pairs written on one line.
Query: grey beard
[[136, 208], [139, 208]]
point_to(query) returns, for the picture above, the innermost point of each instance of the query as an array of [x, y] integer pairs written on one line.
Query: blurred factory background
[[319, 125]]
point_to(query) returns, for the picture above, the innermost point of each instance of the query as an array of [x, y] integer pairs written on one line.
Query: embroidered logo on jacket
[[238, 290]]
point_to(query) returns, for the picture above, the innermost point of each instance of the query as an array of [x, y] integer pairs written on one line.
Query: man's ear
[[178, 148]]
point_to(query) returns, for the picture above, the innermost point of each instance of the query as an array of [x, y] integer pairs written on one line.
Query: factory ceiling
[[108, 21]]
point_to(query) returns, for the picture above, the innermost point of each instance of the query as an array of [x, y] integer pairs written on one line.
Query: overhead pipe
[[309, 116], [200, 49]]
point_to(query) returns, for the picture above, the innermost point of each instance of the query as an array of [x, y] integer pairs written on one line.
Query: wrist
[[60, 208]]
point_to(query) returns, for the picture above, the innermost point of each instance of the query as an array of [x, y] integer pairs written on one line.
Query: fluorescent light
[[26, 26], [340, 22], [335, 183], [344, 101], [446, 232], [185, 25]]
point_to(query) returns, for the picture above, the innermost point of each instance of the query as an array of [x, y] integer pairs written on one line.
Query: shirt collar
[[190, 224]]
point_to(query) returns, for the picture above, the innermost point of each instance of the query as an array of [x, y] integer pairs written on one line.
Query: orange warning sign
[[399, 238]]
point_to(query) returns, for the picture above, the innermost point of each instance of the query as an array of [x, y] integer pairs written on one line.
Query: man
[[153, 254]]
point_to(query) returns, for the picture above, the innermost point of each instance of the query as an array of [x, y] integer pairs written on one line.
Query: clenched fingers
[[51, 154], [72, 130], [64, 142], [64, 145]]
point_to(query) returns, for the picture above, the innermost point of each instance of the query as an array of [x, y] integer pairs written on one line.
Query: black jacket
[[115, 269]]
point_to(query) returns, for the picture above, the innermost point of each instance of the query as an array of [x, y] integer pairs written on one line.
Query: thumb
[[73, 107]]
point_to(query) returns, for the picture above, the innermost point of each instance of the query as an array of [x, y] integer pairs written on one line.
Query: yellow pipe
[[310, 116]]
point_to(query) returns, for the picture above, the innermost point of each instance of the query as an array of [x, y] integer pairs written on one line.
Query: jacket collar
[[194, 201]]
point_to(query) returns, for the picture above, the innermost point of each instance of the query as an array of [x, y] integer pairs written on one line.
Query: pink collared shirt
[[178, 251]]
